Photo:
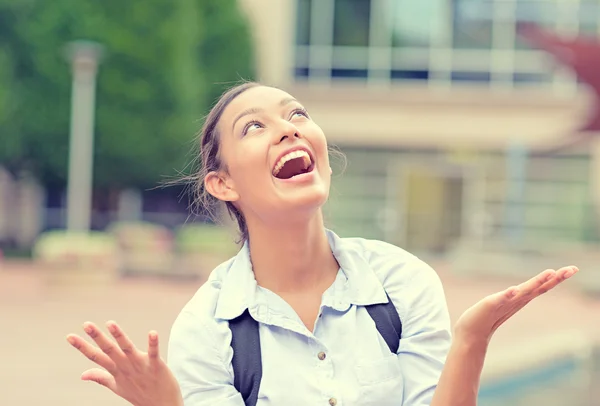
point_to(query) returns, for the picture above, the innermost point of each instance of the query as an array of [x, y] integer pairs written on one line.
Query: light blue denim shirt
[[358, 368]]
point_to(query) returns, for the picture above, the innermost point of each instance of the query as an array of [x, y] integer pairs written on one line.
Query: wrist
[[471, 341]]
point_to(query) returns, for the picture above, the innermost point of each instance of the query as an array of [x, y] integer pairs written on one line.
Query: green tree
[[11, 143], [166, 61]]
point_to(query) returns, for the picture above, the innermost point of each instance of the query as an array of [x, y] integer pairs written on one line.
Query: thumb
[[101, 377]]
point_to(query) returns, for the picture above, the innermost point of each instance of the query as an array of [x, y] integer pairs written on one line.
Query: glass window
[[413, 74], [529, 78], [543, 13], [349, 73], [418, 23], [589, 17], [459, 36], [303, 23], [458, 76], [351, 22], [472, 24], [343, 57], [301, 72]]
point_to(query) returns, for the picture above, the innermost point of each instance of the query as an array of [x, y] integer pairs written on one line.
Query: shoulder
[[199, 351], [196, 322], [391, 263], [413, 286]]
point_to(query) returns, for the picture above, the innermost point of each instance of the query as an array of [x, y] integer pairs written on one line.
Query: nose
[[288, 130], [295, 135]]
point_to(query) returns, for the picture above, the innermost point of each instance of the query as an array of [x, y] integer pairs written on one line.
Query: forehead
[[259, 98]]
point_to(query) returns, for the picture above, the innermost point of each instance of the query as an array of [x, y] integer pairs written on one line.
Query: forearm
[[460, 378]]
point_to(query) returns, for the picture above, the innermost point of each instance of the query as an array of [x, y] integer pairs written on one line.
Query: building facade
[[442, 111]]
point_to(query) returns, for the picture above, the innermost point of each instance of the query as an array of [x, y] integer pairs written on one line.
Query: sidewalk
[[39, 367]]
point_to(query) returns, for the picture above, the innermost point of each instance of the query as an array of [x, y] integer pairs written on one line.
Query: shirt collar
[[359, 286]]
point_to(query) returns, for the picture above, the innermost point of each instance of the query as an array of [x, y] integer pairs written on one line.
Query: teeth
[[288, 157]]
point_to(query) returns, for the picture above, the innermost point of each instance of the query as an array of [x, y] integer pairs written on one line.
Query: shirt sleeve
[[196, 358], [426, 335]]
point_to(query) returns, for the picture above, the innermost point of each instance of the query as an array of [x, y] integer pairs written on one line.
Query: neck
[[292, 257]]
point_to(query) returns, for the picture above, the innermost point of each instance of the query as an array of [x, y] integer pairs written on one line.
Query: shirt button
[[322, 355], [332, 401]]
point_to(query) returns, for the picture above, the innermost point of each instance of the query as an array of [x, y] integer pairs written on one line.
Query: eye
[[251, 126], [299, 113]]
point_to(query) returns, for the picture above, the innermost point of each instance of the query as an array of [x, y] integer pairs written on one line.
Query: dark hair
[[210, 159]]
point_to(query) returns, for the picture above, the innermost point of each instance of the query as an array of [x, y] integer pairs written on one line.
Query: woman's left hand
[[480, 321]]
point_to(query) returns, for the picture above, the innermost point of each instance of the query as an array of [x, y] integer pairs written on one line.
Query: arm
[[196, 358], [459, 382], [438, 374], [426, 336]]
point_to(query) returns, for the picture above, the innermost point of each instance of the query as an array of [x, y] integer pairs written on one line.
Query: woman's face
[[276, 156]]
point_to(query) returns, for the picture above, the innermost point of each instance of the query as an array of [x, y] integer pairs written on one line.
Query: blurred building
[[441, 109]]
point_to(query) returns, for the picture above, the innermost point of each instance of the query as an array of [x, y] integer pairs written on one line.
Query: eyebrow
[[255, 110], [287, 100]]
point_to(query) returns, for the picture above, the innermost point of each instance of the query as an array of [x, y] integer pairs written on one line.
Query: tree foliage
[[165, 63]]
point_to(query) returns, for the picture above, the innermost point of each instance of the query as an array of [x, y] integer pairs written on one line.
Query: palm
[[135, 388], [484, 317], [141, 378]]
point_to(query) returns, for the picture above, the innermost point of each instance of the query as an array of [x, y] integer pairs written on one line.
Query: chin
[[310, 198]]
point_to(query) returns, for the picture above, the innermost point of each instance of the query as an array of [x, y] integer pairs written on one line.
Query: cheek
[[248, 166], [319, 143]]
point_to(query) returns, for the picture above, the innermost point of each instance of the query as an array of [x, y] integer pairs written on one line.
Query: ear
[[220, 185]]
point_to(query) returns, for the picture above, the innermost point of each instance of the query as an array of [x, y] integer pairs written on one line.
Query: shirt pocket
[[380, 382]]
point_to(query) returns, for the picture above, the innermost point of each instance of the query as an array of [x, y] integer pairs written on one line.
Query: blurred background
[[470, 129]]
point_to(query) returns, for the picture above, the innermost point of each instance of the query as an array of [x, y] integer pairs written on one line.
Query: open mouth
[[293, 164]]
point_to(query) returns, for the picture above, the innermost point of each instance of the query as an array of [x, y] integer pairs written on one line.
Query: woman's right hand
[[141, 378]]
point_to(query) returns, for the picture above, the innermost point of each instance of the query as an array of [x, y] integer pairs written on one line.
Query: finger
[[514, 301], [522, 296], [533, 284], [123, 341], [92, 353], [510, 293], [561, 275], [567, 271], [153, 346], [106, 344], [517, 297], [101, 377]]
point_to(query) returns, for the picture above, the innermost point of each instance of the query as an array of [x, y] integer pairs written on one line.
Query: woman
[[308, 289]]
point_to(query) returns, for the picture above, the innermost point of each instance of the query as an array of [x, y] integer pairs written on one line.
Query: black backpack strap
[[245, 342], [388, 323], [246, 362]]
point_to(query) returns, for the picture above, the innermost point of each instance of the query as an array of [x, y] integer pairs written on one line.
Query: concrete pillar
[[31, 197], [516, 171], [84, 58], [6, 182], [595, 176], [273, 25], [130, 205]]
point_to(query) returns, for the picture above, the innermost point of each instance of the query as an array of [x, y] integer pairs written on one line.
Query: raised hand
[[481, 320], [141, 378]]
